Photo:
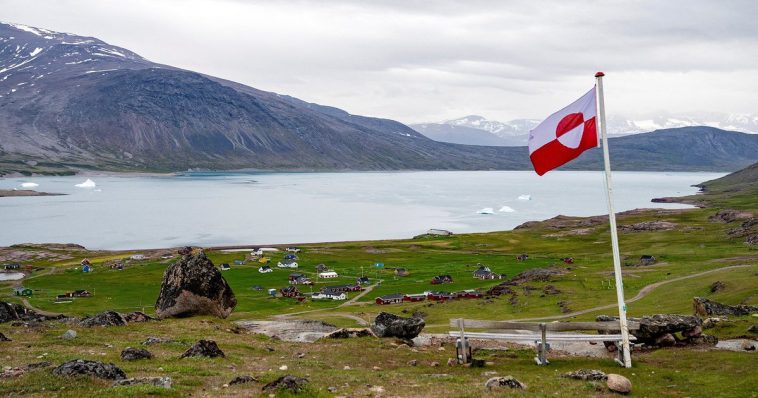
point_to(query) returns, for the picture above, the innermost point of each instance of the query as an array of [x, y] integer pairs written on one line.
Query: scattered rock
[[345, 333], [705, 340], [164, 382], [729, 215], [536, 275], [194, 286], [710, 322], [498, 383], [564, 307], [654, 326], [646, 260], [9, 372], [283, 367], [704, 307], [747, 345], [331, 389], [389, 325], [586, 374], [150, 340], [451, 362], [107, 318], [376, 368], [434, 364], [694, 332], [665, 340], [133, 354], [242, 380], [648, 226], [69, 335], [3, 338], [717, 286], [83, 367], [137, 316], [204, 348], [550, 290], [291, 383], [619, 383], [14, 312], [412, 362]]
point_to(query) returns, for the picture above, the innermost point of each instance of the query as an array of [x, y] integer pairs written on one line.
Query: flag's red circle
[[568, 123]]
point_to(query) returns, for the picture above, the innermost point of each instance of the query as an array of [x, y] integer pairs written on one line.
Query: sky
[[423, 61]]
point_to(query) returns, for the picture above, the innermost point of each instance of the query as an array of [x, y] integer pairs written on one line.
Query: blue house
[[87, 268]]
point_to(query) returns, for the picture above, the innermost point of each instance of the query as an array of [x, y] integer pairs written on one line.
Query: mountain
[[70, 103], [478, 130]]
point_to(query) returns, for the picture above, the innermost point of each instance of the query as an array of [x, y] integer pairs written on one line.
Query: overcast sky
[[418, 61]]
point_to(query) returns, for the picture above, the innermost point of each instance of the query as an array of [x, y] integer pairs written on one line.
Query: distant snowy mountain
[[478, 130]]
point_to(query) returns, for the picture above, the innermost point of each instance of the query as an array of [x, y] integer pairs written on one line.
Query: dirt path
[[28, 305], [354, 300], [641, 294]]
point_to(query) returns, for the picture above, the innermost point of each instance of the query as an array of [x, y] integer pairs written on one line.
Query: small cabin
[[265, 269], [647, 260], [239, 262], [258, 287], [522, 257], [225, 267], [412, 298], [401, 272], [80, 293], [329, 295], [343, 288], [292, 250], [322, 268], [440, 296], [440, 279], [264, 260], [471, 294], [137, 257], [272, 292], [290, 257], [484, 273], [328, 275], [12, 266], [568, 260], [363, 280], [87, 268], [390, 299], [22, 291], [290, 291], [287, 264]]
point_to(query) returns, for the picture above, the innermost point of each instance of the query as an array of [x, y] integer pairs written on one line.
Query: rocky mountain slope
[[69, 103]]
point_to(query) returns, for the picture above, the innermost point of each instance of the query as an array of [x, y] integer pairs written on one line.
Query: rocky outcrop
[[204, 348], [390, 325], [15, 312], [657, 330], [729, 215], [133, 354], [290, 383], [242, 380], [83, 367], [705, 307], [499, 383], [345, 333], [648, 226], [3, 338], [586, 374], [107, 318], [137, 316], [619, 384], [748, 230], [194, 286], [164, 382]]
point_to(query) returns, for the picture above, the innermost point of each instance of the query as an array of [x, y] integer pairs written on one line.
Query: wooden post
[[464, 349], [543, 348]]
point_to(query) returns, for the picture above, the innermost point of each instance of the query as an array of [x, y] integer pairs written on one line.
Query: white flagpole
[[612, 219]]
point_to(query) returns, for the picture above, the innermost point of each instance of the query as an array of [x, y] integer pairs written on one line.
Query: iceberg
[[507, 209], [86, 184], [29, 185], [525, 197], [486, 210]]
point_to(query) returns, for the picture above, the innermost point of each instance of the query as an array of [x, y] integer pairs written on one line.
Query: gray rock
[[164, 382], [717, 286], [204, 348], [69, 335], [389, 325], [194, 286], [747, 345], [665, 340], [705, 340], [619, 383], [753, 329], [499, 383], [150, 340], [291, 383], [705, 307], [242, 380], [586, 374], [107, 318], [345, 333], [133, 354], [654, 326], [83, 367], [3, 338], [137, 316]]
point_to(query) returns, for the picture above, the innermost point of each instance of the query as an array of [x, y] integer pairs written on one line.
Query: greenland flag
[[564, 135]]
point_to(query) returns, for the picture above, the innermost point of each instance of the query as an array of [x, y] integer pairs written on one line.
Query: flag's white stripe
[[545, 131]]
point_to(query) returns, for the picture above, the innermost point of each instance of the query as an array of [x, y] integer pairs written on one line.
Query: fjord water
[[265, 208]]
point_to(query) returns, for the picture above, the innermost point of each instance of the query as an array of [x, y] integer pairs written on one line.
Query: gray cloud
[[431, 60]]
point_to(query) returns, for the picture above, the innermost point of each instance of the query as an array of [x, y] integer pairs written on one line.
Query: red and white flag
[[564, 135]]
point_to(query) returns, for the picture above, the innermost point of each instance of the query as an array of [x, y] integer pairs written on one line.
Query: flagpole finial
[[599, 74]]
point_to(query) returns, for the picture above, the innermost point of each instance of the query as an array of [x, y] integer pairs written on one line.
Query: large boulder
[[107, 318], [204, 348], [619, 383], [501, 383], [654, 326], [83, 367], [194, 286], [390, 325], [705, 307], [8, 312], [133, 354]]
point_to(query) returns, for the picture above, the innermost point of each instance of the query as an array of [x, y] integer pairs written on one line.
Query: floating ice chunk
[[29, 185], [486, 210], [525, 197], [507, 209], [86, 184]]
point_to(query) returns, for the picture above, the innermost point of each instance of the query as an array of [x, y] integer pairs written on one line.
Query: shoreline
[[16, 193]]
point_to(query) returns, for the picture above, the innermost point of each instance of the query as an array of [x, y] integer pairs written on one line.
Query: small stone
[[164, 382], [413, 362], [204, 348], [133, 354], [292, 383], [300, 355], [434, 364], [242, 380], [283, 367], [3, 338], [499, 383], [376, 389], [346, 367], [618, 383], [451, 362], [331, 389], [586, 374], [666, 340], [69, 335], [376, 368], [225, 386]]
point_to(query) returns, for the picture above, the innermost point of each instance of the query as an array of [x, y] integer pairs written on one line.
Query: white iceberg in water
[[29, 185], [86, 184], [486, 210], [525, 197], [507, 209]]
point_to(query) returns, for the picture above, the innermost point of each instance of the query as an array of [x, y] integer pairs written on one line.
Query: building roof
[[395, 296]]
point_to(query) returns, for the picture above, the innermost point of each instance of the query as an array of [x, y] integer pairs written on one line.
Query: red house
[[390, 299], [412, 298]]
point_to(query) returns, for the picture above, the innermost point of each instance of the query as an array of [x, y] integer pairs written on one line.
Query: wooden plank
[[538, 337], [535, 327]]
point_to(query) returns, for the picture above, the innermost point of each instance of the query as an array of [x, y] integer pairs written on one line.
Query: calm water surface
[[227, 209]]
